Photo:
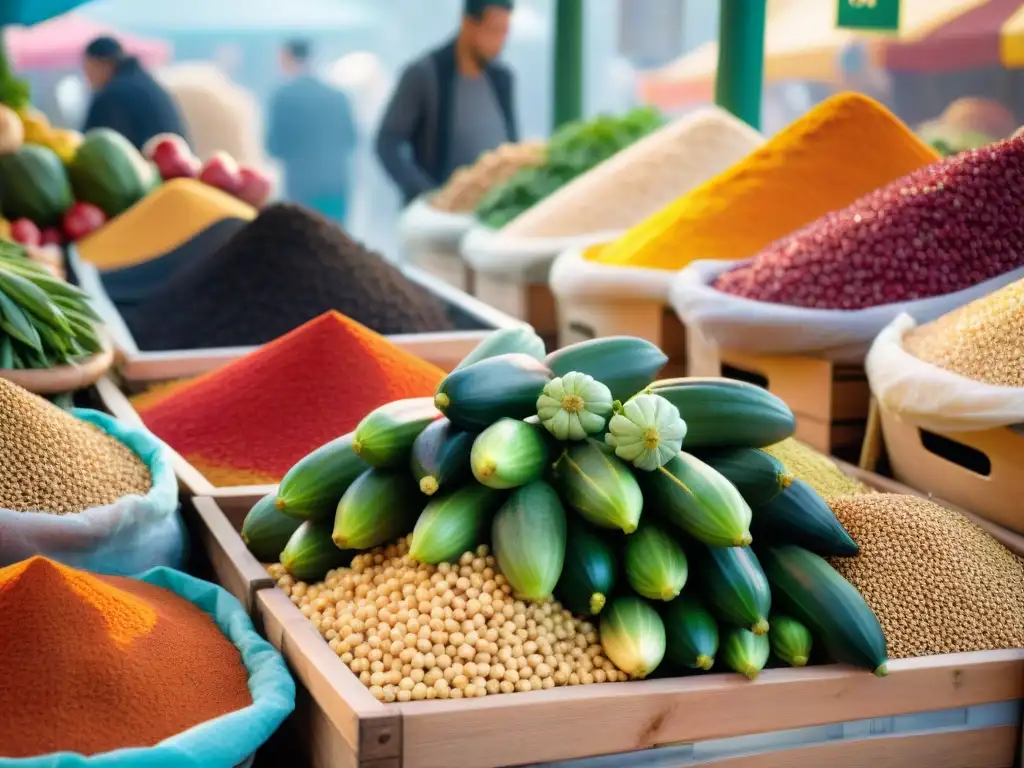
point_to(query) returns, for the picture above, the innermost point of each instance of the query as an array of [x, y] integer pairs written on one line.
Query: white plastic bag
[[423, 225], [574, 277], [133, 534], [528, 259], [760, 327], [932, 397]]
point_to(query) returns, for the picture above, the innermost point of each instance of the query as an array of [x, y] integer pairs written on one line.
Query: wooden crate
[[830, 401], [944, 465], [444, 263], [530, 302]]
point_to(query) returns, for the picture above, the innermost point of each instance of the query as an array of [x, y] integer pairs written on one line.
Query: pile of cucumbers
[[645, 503]]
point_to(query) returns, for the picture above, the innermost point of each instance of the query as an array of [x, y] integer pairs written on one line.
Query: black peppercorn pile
[[284, 268]]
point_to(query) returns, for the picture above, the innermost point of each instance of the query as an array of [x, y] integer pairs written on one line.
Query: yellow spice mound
[[842, 149], [169, 216]]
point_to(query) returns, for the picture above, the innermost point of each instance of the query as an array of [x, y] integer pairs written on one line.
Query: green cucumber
[[311, 489], [266, 530], [506, 386], [454, 523], [379, 506], [727, 413], [791, 641], [384, 438], [440, 456], [733, 586], [827, 604], [624, 364], [757, 475], [745, 652], [694, 497], [528, 536], [310, 553], [508, 454], [801, 517], [521, 339], [633, 636], [656, 566], [692, 633], [599, 485], [590, 571]]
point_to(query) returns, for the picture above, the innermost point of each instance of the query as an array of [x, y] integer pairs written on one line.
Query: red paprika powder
[[96, 663], [251, 420]]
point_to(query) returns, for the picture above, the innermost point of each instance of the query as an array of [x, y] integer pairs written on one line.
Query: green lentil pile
[[983, 340], [936, 582], [412, 632], [55, 463], [815, 469]]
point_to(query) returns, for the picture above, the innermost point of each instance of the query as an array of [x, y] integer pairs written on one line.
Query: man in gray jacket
[[451, 105]]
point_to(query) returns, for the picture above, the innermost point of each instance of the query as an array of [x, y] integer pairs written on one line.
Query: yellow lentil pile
[[468, 185], [983, 340], [815, 469], [936, 582], [52, 462], [412, 632]]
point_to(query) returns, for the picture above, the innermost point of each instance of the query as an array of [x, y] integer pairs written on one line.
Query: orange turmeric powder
[[842, 149]]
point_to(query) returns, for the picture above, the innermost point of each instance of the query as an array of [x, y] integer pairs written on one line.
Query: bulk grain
[[845, 147], [97, 663], [815, 469], [936, 582], [52, 462], [941, 229], [250, 421], [983, 340], [465, 189], [286, 267], [641, 179]]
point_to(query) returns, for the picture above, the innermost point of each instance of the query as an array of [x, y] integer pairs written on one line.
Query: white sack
[[574, 277], [423, 225], [528, 260]]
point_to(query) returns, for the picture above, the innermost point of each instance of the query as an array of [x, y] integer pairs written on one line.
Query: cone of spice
[[942, 229], [250, 421], [843, 148], [51, 461], [138, 665]]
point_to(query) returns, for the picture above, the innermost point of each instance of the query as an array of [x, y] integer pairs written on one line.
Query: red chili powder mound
[[944, 228], [96, 663], [259, 415]]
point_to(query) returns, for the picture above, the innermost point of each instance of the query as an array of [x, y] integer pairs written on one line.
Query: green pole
[[738, 83], [568, 72]]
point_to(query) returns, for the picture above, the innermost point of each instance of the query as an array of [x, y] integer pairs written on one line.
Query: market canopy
[[58, 43], [802, 42], [34, 11]]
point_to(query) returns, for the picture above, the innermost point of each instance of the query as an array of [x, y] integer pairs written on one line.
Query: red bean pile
[[943, 228]]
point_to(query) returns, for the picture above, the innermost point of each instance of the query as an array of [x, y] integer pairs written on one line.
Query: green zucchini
[[379, 506], [732, 585], [801, 517], [757, 475], [692, 633], [528, 535], [624, 364], [745, 652], [384, 438], [440, 456], [590, 571], [633, 636], [597, 484], [266, 530], [454, 523], [521, 339], [311, 489], [310, 553], [791, 641], [656, 566], [506, 386], [694, 497], [827, 604], [509, 453], [727, 413]]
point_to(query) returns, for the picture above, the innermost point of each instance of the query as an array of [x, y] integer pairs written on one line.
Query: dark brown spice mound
[[283, 269], [944, 228]]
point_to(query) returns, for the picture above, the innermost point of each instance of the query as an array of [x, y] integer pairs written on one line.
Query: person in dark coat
[[452, 105], [126, 98], [312, 132]]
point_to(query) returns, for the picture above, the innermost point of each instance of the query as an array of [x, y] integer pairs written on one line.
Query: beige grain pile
[[52, 462], [983, 340], [468, 185], [641, 179], [815, 469], [936, 582]]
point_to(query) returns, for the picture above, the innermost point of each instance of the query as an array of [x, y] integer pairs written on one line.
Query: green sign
[[869, 14]]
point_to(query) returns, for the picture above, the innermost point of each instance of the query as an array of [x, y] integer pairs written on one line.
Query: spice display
[[815, 469], [53, 462], [941, 229], [983, 340], [286, 267], [164, 219], [465, 189], [843, 148], [937, 582], [641, 179], [140, 666], [251, 420]]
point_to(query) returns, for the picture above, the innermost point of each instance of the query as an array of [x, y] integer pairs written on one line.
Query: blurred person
[[451, 105], [312, 132], [126, 98]]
